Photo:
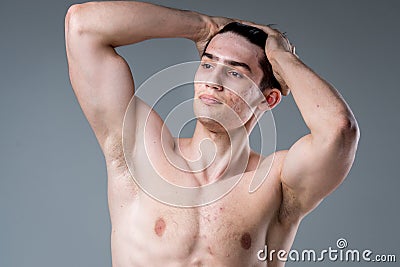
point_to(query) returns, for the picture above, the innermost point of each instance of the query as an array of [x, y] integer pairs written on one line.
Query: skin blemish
[[245, 241], [209, 250], [159, 227]]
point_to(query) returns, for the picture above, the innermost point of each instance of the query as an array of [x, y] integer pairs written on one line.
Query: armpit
[[290, 210], [114, 153]]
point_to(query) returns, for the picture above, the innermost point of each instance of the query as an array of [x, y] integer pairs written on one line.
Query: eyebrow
[[228, 62]]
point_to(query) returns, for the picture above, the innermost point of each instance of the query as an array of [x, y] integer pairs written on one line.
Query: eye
[[206, 65], [235, 74]]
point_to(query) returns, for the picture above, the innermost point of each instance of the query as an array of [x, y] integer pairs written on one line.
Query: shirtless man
[[230, 231]]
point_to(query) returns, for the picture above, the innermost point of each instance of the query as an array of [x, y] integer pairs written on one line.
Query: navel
[[159, 227], [245, 241]]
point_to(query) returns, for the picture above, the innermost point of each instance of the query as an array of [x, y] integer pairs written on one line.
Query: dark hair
[[258, 37]]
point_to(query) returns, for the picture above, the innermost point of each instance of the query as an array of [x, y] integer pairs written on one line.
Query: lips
[[209, 99]]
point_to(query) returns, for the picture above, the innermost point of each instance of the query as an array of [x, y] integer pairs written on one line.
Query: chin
[[217, 117]]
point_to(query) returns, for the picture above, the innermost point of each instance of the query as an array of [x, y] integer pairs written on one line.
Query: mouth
[[209, 99]]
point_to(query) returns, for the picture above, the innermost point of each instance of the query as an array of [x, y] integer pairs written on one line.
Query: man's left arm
[[318, 162]]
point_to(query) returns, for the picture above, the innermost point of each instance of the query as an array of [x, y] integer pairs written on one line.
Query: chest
[[235, 223], [142, 214]]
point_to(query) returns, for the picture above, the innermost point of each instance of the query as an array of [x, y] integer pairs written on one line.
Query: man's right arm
[[101, 79]]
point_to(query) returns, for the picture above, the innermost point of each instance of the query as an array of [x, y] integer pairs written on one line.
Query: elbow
[[78, 26], [346, 131], [72, 28], [72, 23], [348, 126], [75, 21], [71, 19], [341, 129]]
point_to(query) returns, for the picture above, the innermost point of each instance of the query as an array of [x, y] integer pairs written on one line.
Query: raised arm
[[318, 162], [101, 79]]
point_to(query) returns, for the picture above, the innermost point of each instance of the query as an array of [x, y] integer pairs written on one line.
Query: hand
[[214, 25], [276, 42]]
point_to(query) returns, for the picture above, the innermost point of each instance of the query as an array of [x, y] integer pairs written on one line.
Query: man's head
[[235, 71], [257, 37]]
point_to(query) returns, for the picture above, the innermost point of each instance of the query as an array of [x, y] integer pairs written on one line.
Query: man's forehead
[[233, 46]]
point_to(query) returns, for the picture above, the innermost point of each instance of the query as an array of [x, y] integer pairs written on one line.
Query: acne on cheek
[[245, 93], [240, 104], [235, 104]]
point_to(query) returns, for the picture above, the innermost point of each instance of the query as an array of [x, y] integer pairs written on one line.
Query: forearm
[[322, 107], [121, 22]]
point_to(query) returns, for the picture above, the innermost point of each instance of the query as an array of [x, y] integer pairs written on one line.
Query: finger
[[269, 30]]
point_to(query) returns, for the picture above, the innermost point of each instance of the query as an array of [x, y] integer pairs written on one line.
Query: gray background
[[53, 206]]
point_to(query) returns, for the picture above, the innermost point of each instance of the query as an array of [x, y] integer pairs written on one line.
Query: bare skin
[[230, 231]]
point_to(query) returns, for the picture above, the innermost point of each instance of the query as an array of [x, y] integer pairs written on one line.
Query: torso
[[227, 232]]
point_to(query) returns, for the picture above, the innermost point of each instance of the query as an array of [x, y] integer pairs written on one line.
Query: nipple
[[245, 241], [159, 227]]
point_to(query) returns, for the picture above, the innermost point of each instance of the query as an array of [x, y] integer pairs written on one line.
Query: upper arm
[[314, 166], [101, 79]]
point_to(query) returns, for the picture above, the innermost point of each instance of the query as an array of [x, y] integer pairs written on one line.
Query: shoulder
[[274, 161], [141, 124]]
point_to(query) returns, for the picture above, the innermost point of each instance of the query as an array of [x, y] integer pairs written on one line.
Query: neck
[[218, 154]]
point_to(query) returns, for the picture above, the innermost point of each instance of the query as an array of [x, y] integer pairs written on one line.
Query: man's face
[[226, 82]]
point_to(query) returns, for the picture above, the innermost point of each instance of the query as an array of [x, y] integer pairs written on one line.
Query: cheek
[[199, 88], [243, 99], [196, 87], [239, 106], [199, 76]]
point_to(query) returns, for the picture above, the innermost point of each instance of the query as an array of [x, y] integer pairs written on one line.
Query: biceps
[[103, 84], [312, 169]]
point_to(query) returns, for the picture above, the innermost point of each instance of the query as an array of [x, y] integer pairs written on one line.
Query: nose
[[215, 86], [214, 81]]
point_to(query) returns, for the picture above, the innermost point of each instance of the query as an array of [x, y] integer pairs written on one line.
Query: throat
[[214, 156]]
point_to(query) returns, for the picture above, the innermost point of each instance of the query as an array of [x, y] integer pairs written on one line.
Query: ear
[[272, 98]]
